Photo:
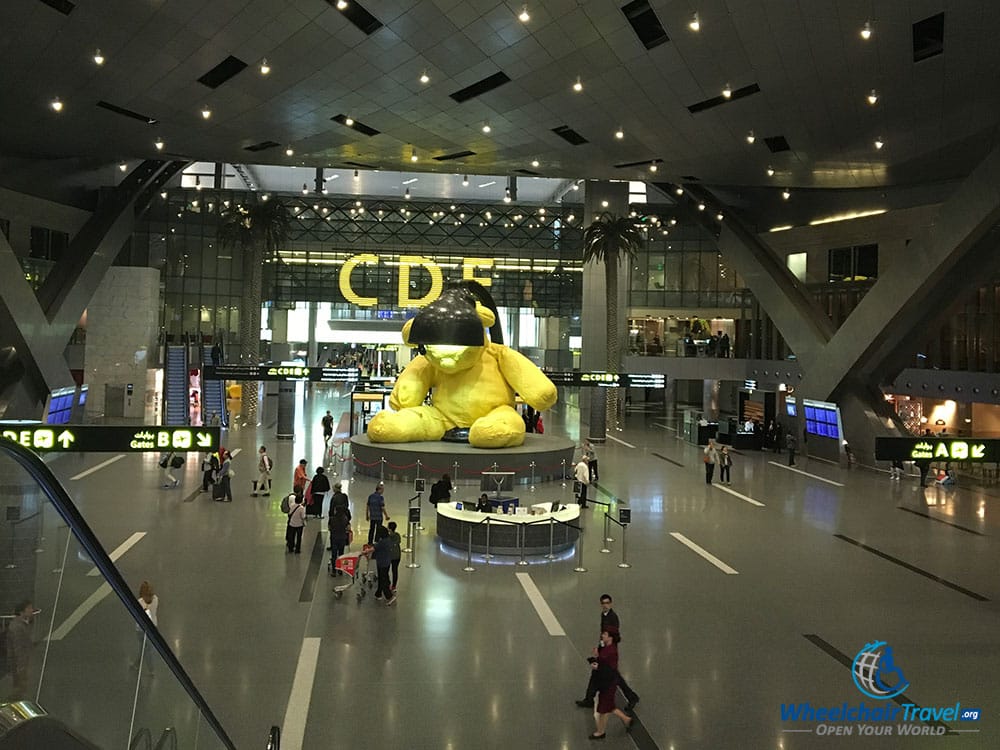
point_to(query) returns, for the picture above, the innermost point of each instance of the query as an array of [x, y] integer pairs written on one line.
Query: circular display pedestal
[[508, 533]]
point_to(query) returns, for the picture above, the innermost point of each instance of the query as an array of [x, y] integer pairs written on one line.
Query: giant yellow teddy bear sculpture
[[471, 387]]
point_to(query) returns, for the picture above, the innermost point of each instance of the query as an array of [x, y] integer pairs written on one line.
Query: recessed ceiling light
[[486, 127], [578, 86], [673, 222], [349, 122], [727, 91], [534, 162], [523, 16], [866, 31], [786, 194], [770, 171], [873, 97], [424, 78], [264, 67], [264, 196], [452, 207], [159, 144], [604, 204], [205, 113], [56, 104], [879, 143], [163, 195], [751, 137], [289, 151], [341, 4], [98, 58], [619, 134], [465, 181], [701, 206], [653, 167], [357, 203], [718, 216], [679, 190], [695, 23]]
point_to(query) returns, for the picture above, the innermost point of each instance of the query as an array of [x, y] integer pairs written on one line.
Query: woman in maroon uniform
[[605, 661]]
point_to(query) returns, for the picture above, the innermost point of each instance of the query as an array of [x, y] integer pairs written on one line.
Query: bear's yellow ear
[[485, 315], [406, 332]]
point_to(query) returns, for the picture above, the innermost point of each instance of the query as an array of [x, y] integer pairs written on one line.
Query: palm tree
[[258, 231], [611, 239]]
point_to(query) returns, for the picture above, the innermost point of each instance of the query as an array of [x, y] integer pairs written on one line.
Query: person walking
[[791, 443], [591, 456], [725, 464], [397, 554], [19, 648], [327, 422], [375, 510], [604, 664], [319, 487], [339, 525], [167, 463], [226, 478], [711, 459], [582, 475], [295, 527], [264, 466], [896, 470], [209, 470], [609, 619], [441, 490], [300, 479], [383, 561]]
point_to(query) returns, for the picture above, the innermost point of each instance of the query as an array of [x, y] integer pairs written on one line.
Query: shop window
[[856, 263]]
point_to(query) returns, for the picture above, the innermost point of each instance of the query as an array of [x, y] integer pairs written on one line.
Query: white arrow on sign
[[204, 440], [978, 451], [66, 437]]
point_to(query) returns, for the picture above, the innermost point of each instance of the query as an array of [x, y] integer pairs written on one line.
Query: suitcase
[[218, 491]]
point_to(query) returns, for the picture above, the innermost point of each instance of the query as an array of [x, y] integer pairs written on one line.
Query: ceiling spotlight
[[349, 122], [751, 137], [56, 104], [264, 67], [604, 204], [534, 162], [679, 190], [879, 143], [695, 23], [578, 86], [727, 91], [701, 206], [357, 203], [575, 186], [406, 195], [523, 16], [873, 97], [159, 144], [718, 216], [653, 167], [413, 155], [486, 127], [506, 195], [465, 181], [163, 195], [786, 194], [424, 78], [341, 4], [123, 166], [98, 58], [205, 113], [619, 134], [866, 31], [289, 151], [673, 222], [770, 171], [305, 189]]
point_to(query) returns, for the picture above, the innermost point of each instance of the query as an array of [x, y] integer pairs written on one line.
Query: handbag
[[308, 494], [705, 458]]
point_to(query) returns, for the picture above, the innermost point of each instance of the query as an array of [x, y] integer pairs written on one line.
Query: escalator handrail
[[60, 499]]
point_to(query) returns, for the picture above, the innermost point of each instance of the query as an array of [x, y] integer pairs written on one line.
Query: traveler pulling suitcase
[[218, 491]]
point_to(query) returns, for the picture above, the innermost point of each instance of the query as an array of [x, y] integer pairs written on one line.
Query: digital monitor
[[791, 408], [822, 419]]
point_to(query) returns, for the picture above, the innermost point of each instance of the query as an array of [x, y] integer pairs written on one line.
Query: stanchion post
[[563, 472], [604, 541], [488, 556], [579, 554], [524, 534], [624, 563], [413, 553], [418, 469], [607, 528], [407, 548], [552, 529], [454, 470], [532, 464], [381, 469], [468, 560]]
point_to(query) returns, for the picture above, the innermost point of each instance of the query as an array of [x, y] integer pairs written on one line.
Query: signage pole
[[579, 554], [468, 560], [607, 538], [552, 527], [488, 556], [524, 534], [532, 464], [413, 553], [624, 563]]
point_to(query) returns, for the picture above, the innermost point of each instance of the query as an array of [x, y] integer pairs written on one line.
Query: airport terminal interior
[[696, 303]]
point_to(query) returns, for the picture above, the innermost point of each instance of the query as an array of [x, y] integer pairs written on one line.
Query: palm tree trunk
[[253, 271], [613, 342]]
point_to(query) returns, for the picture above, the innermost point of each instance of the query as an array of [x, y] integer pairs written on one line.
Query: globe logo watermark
[[875, 674]]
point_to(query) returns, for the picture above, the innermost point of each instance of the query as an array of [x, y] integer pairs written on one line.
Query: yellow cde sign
[[406, 263]]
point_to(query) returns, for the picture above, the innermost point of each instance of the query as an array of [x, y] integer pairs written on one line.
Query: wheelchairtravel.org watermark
[[876, 675]]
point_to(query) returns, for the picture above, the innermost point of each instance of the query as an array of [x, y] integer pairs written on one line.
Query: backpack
[[286, 504]]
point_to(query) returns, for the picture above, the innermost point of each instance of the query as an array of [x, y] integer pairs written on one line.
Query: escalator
[[175, 385], [213, 394], [71, 688]]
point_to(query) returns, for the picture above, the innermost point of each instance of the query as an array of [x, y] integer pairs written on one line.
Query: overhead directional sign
[[89, 438], [937, 449], [279, 372], [608, 379]]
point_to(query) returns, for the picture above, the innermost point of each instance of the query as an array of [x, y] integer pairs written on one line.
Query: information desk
[[453, 527]]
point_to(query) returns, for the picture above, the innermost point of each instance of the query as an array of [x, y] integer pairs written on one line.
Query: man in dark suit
[[609, 619]]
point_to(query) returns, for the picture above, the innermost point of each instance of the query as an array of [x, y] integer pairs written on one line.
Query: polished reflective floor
[[739, 599]]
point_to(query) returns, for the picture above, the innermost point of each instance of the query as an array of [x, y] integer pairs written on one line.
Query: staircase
[[213, 393], [175, 385]]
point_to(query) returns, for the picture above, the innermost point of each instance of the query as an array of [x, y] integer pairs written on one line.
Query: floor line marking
[[312, 572], [704, 553], [806, 473], [913, 568], [737, 494], [627, 445], [120, 550], [235, 452], [293, 728], [675, 463], [99, 466], [80, 612], [541, 606], [664, 426], [941, 520], [190, 498]]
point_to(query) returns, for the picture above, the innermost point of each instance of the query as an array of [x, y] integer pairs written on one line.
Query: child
[[397, 554], [725, 462]]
